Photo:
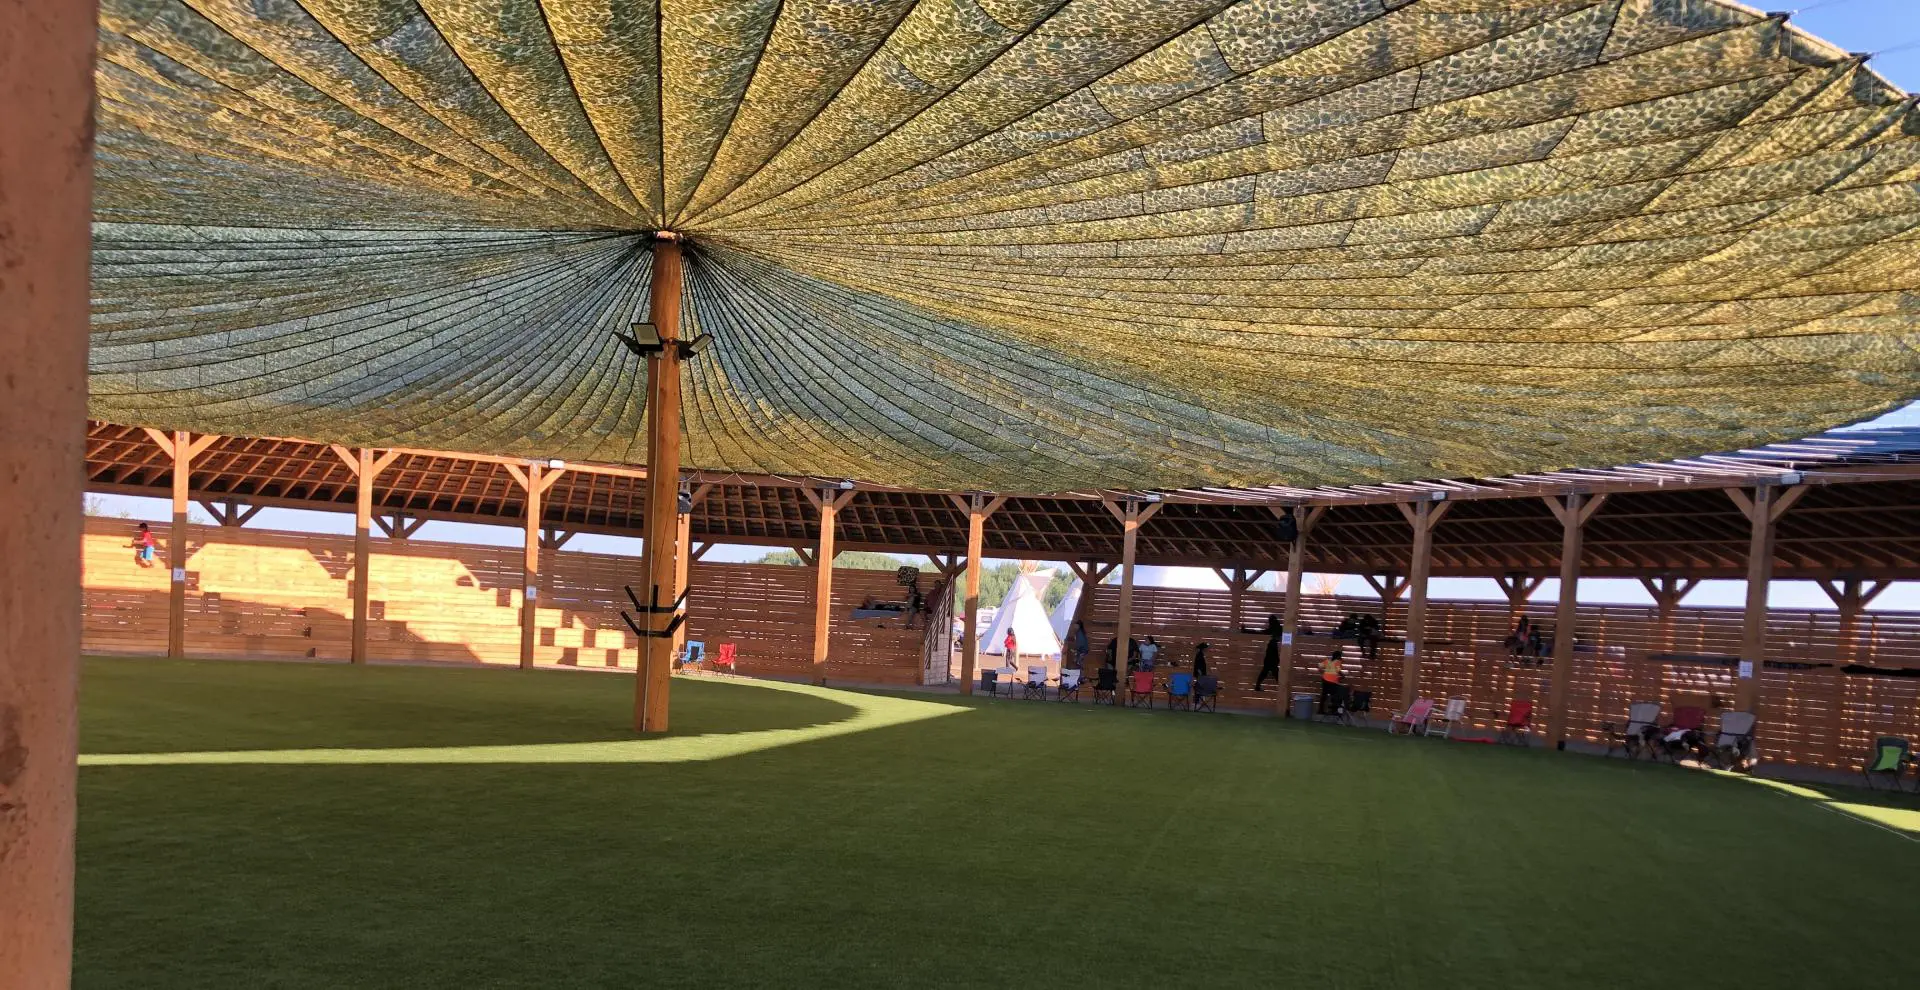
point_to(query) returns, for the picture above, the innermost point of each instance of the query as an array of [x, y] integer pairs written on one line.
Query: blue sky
[[1890, 27], [1867, 26]]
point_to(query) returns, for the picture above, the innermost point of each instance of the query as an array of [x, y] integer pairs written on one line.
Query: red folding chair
[[724, 661], [1685, 734], [1519, 723], [1140, 688]]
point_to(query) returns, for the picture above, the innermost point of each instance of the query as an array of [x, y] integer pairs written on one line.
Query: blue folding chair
[[1180, 691]]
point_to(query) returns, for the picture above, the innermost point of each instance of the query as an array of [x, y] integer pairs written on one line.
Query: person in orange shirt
[[1329, 682]]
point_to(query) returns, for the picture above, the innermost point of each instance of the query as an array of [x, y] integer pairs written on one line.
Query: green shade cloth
[[1018, 245]]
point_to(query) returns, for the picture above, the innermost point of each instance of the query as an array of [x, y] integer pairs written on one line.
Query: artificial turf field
[[291, 825]]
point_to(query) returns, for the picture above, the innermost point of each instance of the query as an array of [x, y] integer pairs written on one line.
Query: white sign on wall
[[1746, 670], [1286, 639], [179, 575], [1409, 648]]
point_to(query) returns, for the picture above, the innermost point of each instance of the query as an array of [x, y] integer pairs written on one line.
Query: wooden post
[[977, 508], [46, 169], [181, 448], [829, 502], [177, 545], [1573, 514], [1423, 516], [535, 482], [1519, 589], [1290, 621], [684, 560], [366, 466], [1132, 515], [1851, 596], [362, 552], [1667, 591], [662, 548], [1762, 509]]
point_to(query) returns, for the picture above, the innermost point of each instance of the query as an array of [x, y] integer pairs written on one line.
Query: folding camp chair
[[990, 682], [1069, 686], [1413, 717], [1105, 686], [1519, 724], [1684, 735], [1454, 714], [724, 661], [1338, 710], [1179, 691], [1890, 757], [1642, 716], [1206, 694], [1732, 747], [1140, 688], [1359, 706], [1036, 685]]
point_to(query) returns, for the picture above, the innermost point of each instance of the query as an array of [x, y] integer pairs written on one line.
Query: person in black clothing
[[1270, 663], [1113, 647], [1200, 660]]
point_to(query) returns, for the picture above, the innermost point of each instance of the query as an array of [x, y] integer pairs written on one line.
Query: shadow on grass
[[151, 712]]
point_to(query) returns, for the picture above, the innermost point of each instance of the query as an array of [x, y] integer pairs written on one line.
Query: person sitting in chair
[[1329, 682]]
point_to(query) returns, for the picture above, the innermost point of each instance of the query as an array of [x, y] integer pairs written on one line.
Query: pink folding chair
[[1413, 717]]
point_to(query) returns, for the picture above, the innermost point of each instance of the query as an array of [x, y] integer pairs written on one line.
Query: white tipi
[[1023, 612]]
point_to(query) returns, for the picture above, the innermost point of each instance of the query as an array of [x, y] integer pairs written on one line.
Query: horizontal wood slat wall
[[260, 593], [1818, 716], [270, 594]]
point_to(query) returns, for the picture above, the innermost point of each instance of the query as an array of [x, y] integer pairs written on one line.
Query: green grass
[[286, 825]]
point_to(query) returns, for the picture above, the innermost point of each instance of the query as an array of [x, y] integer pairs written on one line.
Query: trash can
[[1303, 706]]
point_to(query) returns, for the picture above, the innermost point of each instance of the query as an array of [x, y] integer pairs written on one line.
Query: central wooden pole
[[46, 168], [662, 547], [177, 545]]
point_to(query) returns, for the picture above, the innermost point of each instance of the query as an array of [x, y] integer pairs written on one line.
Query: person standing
[[1077, 644], [1200, 661], [1270, 663], [1330, 682], [143, 546], [1012, 647], [1149, 654]]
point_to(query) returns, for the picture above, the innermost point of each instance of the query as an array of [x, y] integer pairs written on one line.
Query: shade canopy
[[1016, 245]]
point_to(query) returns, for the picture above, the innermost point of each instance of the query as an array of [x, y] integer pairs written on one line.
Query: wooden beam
[[1132, 515], [554, 538], [1761, 515], [662, 547], [182, 451], [978, 508], [1290, 617], [829, 505], [363, 470], [1424, 516], [1573, 515]]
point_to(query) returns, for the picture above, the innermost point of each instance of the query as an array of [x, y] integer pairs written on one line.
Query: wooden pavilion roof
[[1858, 517]]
